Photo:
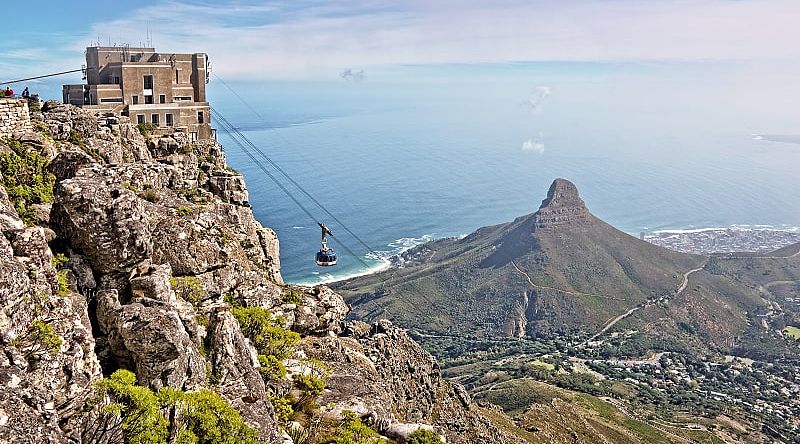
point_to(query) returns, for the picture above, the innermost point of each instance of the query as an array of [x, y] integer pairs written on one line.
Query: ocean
[[414, 153]]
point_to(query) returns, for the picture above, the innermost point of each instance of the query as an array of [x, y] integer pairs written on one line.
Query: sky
[[306, 39]]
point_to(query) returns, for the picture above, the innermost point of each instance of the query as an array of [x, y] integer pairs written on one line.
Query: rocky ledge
[[123, 253]]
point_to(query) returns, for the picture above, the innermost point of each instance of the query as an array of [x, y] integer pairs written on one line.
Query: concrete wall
[[14, 116]]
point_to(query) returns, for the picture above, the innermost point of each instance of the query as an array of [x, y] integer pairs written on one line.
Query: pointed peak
[[563, 205], [562, 193]]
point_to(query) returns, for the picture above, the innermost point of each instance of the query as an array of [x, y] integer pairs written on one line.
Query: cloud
[[534, 102], [353, 76], [309, 38], [535, 145]]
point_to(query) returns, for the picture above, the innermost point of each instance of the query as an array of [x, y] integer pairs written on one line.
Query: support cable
[[41, 77], [288, 177]]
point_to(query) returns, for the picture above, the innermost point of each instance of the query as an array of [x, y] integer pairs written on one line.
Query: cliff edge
[[123, 253]]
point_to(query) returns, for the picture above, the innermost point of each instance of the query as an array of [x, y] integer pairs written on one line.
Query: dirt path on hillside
[[560, 290], [648, 303]]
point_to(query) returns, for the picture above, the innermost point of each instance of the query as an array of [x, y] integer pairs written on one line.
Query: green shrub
[[207, 419], [137, 410], [190, 289], [271, 368], [423, 436], [59, 259], [352, 431], [146, 128], [149, 195], [184, 211], [283, 408], [133, 414], [24, 175], [43, 334], [266, 332], [193, 195], [38, 333]]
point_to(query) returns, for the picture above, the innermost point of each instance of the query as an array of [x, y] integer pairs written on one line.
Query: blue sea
[[414, 153]]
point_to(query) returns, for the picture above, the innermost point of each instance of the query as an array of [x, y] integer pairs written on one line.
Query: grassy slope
[[547, 414]]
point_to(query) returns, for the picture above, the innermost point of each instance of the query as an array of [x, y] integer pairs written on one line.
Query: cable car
[[326, 257]]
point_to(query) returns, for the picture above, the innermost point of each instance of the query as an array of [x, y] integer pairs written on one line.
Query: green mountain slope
[[560, 271]]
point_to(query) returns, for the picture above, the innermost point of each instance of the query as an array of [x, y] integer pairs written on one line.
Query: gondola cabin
[[326, 258]]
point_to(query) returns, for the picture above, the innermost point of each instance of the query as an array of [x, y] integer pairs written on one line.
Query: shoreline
[[686, 240]]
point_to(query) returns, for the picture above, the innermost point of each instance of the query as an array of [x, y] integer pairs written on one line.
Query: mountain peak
[[563, 205]]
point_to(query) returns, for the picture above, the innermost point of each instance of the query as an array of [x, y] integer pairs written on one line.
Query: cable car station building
[[164, 89]]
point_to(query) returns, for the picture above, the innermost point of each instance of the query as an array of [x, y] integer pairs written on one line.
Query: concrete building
[[165, 89]]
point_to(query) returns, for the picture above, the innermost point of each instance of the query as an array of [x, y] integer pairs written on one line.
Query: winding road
[[649, 302]]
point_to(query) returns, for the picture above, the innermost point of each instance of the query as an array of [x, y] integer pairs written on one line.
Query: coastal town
[[724, 240]]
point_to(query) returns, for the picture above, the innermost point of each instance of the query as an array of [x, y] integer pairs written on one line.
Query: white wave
[[297, 227], [328, 278], [757, 137]]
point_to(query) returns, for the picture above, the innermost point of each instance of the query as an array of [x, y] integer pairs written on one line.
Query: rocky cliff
[[562, 206], [125, 251]]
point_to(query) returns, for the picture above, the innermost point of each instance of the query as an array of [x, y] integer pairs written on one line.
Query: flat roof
[[120, 48]]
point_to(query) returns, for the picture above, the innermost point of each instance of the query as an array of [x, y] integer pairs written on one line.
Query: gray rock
[[235, 367]]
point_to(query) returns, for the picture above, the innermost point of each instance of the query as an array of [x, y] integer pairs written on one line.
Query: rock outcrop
[[562, 206], [141, 260], [47, 359], [383, 374]]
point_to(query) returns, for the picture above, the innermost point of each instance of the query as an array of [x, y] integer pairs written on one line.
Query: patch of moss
[[63, 283], [184, 211], [291, 297], [76, 138]]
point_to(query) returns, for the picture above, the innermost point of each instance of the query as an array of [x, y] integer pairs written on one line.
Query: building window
[[194, 137], [148, 82], [177, 79], [154, 119], [148, 100], [200, 117], [135, 100], [116, 80], [140, 118], [168, 119], [111, 100], [162, 98]]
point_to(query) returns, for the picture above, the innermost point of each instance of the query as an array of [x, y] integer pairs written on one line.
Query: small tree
[[352, 431]]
